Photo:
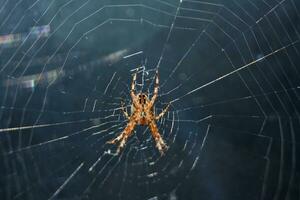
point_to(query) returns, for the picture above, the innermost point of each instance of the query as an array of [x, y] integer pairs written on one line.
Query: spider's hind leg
[[160, 144], [122, 138], [116, 140]]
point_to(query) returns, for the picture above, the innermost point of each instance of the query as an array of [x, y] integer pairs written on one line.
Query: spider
[[142, 114]]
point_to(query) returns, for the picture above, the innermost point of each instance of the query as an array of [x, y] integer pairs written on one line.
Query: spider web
[[229, 69]]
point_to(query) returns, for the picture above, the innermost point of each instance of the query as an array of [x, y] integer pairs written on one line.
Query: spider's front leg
[[156, 87], [160, 144], [122, 138], [132, 90]]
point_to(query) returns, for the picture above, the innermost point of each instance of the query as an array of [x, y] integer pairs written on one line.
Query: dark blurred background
[[229, 68]]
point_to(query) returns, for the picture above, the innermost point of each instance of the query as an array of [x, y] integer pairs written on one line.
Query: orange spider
[[142, 114]]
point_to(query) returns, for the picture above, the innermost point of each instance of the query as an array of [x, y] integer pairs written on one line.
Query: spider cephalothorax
[[143, 98], [142, 114]]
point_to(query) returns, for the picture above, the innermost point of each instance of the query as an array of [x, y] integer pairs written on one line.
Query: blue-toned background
[[229, 68]]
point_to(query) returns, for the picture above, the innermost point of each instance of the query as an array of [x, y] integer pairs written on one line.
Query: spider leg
[[156, 87], [122, 138], [163, 112], [160, 144], [132, 90], [124, 110]]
